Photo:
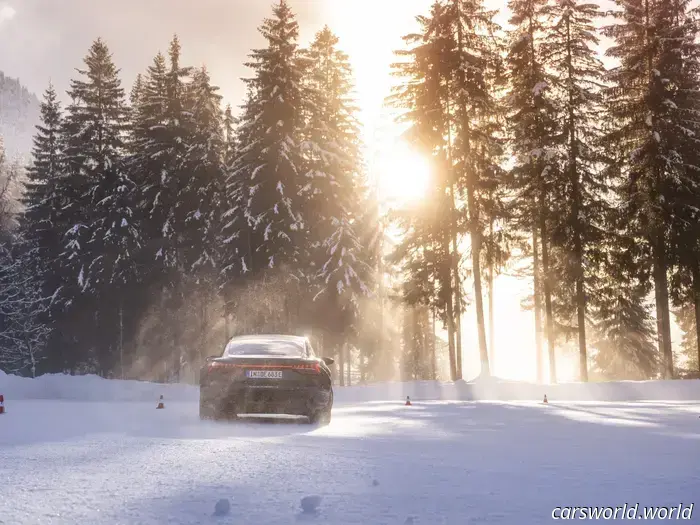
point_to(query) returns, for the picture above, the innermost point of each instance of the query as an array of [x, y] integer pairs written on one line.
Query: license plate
[[264, 374]]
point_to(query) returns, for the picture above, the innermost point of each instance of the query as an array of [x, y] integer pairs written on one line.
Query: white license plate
[[264, 374]]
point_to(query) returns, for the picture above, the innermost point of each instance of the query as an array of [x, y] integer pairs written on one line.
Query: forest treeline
[[156, 224]]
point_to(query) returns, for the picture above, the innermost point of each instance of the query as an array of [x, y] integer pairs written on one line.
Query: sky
[[45, 40]]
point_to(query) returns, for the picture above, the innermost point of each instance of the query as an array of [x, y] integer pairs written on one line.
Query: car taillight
[[314, 368], [216, 364], [305, 368]]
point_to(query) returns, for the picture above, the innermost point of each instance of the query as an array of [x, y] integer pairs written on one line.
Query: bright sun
[[403, 175]]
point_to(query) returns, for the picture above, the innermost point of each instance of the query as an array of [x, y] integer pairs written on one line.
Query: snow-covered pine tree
[[230, 139], [653, 112], [149, 159], [333, 189], [236, 242], [41, 222], [204, 163], [267, 171], [425, 252], [136, 91], [94, 130], [103, 237], [569, 52], [685, 317], [162, 131], [533, 131], [623, 327], [683, 104], [202, 193], [476, 55]]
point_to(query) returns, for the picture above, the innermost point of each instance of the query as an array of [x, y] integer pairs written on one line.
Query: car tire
[[207, 410], [320, 417]]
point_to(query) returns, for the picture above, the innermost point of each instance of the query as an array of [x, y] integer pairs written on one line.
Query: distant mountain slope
[[19, 114]]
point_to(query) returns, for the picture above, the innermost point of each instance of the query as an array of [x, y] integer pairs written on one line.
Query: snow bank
[[494, 389], [94, 388]]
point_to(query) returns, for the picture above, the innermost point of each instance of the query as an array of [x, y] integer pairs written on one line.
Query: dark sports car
[[267, 374]]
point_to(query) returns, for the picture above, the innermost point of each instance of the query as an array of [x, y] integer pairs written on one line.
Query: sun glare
[[403, 176]]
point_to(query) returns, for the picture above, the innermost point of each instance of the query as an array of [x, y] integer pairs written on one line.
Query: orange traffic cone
[[2, 404], [160, 403], [408, 401], [545, 399]]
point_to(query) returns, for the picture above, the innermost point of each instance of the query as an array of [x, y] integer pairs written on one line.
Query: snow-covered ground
[[90, 451]]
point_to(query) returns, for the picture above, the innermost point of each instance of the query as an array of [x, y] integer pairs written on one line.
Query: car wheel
[[320, 417], [207, 408]]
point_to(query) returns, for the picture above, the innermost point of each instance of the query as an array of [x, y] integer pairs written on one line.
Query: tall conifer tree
[[334, 186], [269, 166]]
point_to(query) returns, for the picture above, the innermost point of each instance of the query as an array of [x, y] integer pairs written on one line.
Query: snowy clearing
[[379, 462]]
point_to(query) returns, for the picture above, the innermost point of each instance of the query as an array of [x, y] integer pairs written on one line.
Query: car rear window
[[264, 348]]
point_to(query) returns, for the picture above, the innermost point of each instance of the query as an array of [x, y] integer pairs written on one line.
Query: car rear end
[[264, 385]]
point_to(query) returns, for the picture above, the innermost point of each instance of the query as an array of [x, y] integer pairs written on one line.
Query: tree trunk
[[696, 299], [227, 324], [662, 307], [455, 259], [575, 212], [474, 232], [203, 329], [405, 362], [546, 285], [361, 366], [447, 282], [30, 349], [121, 334], [492, 322], [380, 353], [433, 347], [455, 287], [348, 366], [476, 265], [458, 315], [538, 306], [537, 263], [341, 364]]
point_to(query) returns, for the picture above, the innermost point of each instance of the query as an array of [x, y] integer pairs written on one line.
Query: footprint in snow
[[309, 507], [222, 507]]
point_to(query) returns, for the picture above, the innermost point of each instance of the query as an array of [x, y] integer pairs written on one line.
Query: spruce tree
[[681, 52], [653, 107], [333, 187], [161, 137], [623, 329], [576, 73], [476, 54], [269, 166], [230, 142], [94, 131], [426, 252], [161, 140], [203, 163], [103, 238], [687, 322], [41, 223], [533, 130]]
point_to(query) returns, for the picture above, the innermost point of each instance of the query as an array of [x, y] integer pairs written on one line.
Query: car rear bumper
[[246, 399]]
